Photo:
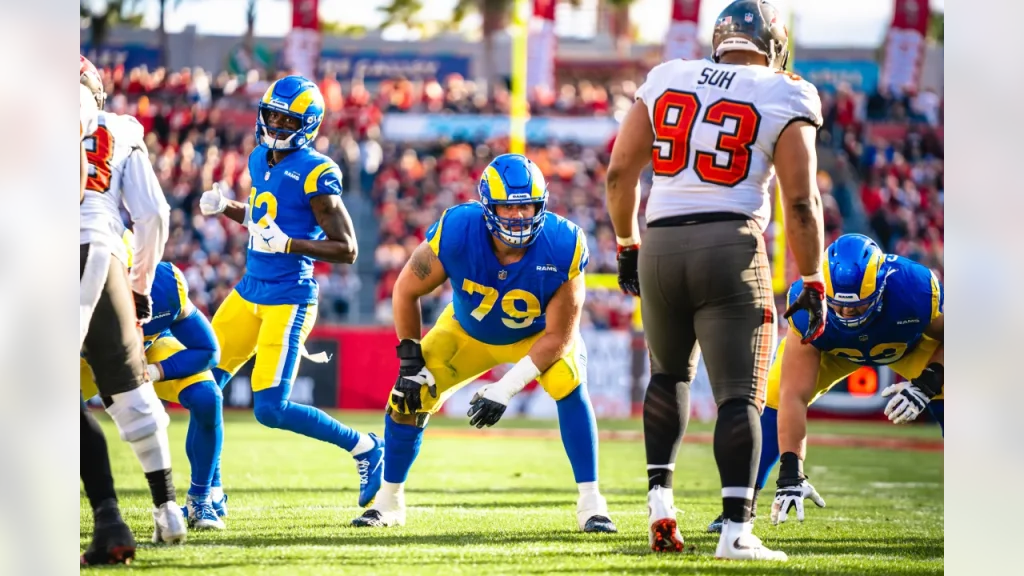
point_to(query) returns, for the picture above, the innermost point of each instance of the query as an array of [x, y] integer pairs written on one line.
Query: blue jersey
[[497, 304], [283, 193], [912, 298], [170, 301]]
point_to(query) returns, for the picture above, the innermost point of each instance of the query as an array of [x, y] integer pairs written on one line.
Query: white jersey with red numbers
[[715, 128], [120, 172]]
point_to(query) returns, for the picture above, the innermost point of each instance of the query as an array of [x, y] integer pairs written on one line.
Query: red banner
[[305, 14], [681, 40], [540, 47], [905, 46]]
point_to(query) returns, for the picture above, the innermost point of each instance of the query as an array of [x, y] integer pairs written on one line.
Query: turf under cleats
[[737, 542], [370, 465]]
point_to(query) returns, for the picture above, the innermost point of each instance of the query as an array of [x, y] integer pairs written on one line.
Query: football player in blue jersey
[[294, 215], [517, 272], [180, 351], [884, 310]]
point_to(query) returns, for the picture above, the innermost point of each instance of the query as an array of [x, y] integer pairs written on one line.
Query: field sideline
[[502, 501]]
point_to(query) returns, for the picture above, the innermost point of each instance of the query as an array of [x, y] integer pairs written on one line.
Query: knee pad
[[269, 414], [138, 413], [204, 400]]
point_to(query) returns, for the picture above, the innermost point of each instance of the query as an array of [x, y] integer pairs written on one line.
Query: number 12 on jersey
[[674, 118]]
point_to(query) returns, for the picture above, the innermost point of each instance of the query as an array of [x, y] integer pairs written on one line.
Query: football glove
[[413, 375], [629, 279], [270, 239], [910, 398], [143, 307], [811, 299], [213, 201], [792, 489], [488, 405]]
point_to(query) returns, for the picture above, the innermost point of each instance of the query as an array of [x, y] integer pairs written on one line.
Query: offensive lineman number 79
[[674, 117]]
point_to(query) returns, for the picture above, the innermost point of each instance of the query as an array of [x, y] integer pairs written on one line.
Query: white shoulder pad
[[126, 129], [663, 75], [793, 98]]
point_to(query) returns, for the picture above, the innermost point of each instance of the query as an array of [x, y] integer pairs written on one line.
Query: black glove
[[812, 299], [143, 307], [629, 279], [412, 377]]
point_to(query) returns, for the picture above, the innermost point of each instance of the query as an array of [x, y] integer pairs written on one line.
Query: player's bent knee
[[205, 401], [138, 413], [270, 414], [407, 419]]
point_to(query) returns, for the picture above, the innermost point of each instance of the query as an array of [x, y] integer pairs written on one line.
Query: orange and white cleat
[[664, 533]]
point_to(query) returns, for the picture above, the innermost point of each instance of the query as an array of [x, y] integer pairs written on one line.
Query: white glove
[[907, 404], [213, 201], [270, 239], [790, 496], [155, 373]]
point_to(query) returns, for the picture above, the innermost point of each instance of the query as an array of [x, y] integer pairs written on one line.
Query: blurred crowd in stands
[[881, 164]]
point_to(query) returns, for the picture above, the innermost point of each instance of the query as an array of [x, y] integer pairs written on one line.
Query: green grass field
[[487, 505]]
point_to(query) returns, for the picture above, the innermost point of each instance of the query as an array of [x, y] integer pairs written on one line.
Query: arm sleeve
[[150, 214], [580, 255], [324, 179], [201, 351]]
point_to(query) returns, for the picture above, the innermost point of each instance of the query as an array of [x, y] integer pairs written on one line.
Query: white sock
[[588, 489], [390, 488], [365, 444], [216, 493]]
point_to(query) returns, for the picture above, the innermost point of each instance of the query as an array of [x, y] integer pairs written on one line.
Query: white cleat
[[738, 542], [170, 526], [663, 534], [592, 514], [388, 510]]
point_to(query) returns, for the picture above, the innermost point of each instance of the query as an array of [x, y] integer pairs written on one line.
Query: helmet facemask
[[515, 232], [278, 138]]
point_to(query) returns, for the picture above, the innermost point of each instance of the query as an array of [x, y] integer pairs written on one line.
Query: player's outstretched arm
[[563, 322], [632, 151], [150, 213], [201, 352], [420, 276], [796, 388]]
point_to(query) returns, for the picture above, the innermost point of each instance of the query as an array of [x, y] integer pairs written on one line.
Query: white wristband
[[154, 372], [819, 278], [630, 241], [524, 372], [247, 219]]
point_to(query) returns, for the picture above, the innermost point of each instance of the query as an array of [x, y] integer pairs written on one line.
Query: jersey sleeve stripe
[[936, 294], [575, 268], [179, 280], [435, 242], [311, 179]]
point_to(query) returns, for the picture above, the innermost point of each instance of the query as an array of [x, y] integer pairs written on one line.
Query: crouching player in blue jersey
[[180, 350], [517, 271], [294, 215], [884, 310]]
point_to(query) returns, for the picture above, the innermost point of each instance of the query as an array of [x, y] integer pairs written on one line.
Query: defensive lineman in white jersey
[[715, 132], [113, 306]]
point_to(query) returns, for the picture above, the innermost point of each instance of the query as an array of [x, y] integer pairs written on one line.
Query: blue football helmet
[[854, 277], [513, 180], [298, 98]]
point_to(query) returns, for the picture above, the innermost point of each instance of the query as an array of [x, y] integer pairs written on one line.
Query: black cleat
[[370, 519], [112, 540], [600, 524]]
